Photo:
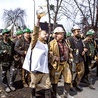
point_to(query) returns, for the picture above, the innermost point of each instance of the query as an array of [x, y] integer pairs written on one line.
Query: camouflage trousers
[[8, 74]]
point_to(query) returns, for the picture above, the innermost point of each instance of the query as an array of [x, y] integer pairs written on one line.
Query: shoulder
[[53, 41], [20, 40], [11, 42], [70, 38]]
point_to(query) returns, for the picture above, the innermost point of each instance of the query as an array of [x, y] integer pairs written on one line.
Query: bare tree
[[14, 18], [85, 10], [90, 14], [54, 11], [96, 21]]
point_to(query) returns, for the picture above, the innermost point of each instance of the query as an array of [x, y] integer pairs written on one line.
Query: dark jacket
[[21, 46], [76, 44]]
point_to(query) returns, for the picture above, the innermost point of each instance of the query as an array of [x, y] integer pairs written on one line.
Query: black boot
[[54, 88], [33, 93], [55, 94], [77, 87], [97, 71], [47, 93], [90, 83]]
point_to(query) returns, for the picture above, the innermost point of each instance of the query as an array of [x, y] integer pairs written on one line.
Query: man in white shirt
[[37, 58]]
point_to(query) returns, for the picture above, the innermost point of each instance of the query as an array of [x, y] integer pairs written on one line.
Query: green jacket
[[9, 47]]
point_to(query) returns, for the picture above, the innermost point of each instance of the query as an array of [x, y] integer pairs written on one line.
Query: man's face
[[27, 35], [19, 36], [77, 33], [43, 35], [89, 37], [59, 36], [6, 36]]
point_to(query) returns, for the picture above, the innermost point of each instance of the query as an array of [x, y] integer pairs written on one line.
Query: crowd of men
[[41, 62]]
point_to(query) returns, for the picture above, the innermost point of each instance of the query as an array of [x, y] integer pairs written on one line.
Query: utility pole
[[34, 11], [96, 25]]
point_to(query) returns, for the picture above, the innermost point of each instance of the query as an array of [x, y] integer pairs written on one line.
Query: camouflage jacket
[[9, 48]]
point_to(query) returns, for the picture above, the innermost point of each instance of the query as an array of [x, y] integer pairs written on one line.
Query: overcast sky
[[28, 5]]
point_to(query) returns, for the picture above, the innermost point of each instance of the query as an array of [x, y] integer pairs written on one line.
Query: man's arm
[[18, 48], [35, 33]]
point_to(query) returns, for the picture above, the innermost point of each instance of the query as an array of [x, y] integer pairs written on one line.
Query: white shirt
[[39, 59]]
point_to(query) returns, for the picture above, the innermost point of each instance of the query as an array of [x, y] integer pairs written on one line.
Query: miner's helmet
[[27, 30], [58, 30], [75, 27], [5, 31], [68, 34], [90, 32], [19, 32]]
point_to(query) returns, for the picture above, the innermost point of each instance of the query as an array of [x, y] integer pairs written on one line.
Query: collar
[[42, 40]]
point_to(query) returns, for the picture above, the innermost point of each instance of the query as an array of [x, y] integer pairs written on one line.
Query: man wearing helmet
[[17, 61], [6, 58], [90, 55], [58, 57], [19, 34], [21, 47], [78, 52], [36, 61]]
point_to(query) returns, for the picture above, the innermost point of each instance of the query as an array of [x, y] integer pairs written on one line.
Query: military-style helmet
[[58, 30], [90, 32], [68, 34], [27, 30], [5, 31], [76, 27], [19, 32]]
